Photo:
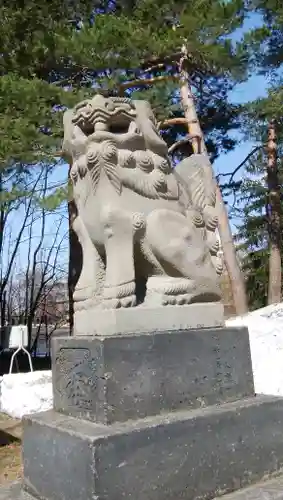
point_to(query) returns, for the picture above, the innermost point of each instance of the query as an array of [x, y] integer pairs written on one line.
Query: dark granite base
[[271, 489], [182, 455], [268, 490], [116, 378]]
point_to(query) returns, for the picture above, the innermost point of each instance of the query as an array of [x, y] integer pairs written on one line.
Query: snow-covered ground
[[26, 393], [266, 340]]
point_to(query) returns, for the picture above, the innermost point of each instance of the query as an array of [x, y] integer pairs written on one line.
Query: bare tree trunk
[[230, 257], [75, 260], [2, 213], [6, 275], [2, 219], [274, 220], [226, 237]]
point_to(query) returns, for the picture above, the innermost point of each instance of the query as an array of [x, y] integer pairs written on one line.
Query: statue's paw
[[83, 293], [128, 301], [182, 299], [87, 304], [168, 300], [190, 298], [179, 300], [119, 296], [118, 303], [110, 304]]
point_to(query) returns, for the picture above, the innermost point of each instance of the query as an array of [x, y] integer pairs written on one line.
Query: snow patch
[[26, 393], [266, 341]]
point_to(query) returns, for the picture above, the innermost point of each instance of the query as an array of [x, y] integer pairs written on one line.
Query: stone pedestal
[[147, 319], [161, 416], [118, 378]]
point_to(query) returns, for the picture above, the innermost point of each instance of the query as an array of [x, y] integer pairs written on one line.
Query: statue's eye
[[110, 106], [88, 109], [133, 128]]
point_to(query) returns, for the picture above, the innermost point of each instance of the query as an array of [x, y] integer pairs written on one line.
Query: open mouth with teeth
[[125, 135], [116, 124]]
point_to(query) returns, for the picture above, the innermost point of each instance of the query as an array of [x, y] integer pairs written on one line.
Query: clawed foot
[[171, 291], [83, 293], [118, 303], [182, 291], [176, 299], [190, 298], [119, 296]]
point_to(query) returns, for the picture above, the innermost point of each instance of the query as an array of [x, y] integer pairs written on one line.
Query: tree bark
[[225, 233], [2, 218], [75, 260], [273, 210]]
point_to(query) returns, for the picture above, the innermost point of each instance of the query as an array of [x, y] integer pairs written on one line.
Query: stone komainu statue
[[147, 230]]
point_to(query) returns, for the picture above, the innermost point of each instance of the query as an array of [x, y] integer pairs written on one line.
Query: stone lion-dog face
[[106, 133]]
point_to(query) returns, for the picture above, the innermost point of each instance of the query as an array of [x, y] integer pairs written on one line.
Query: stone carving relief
[[75, 379], [147, 230]]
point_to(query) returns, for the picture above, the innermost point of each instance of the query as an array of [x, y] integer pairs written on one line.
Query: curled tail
[[200, 189]]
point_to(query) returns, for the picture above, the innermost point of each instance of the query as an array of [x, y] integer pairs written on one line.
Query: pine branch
[[146, 81], [156, 61], [186, 140], [172, 121]]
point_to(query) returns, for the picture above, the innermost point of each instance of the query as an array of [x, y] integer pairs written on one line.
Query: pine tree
[[265, 47], [269, 36], [266, 55], [253, 236], [65, 46]]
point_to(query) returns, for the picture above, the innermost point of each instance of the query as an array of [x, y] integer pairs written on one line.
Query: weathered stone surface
[[108, 379], [271, 489], [14, 491], [147, 230], [148, 319], [267, 490], [185, 455]]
